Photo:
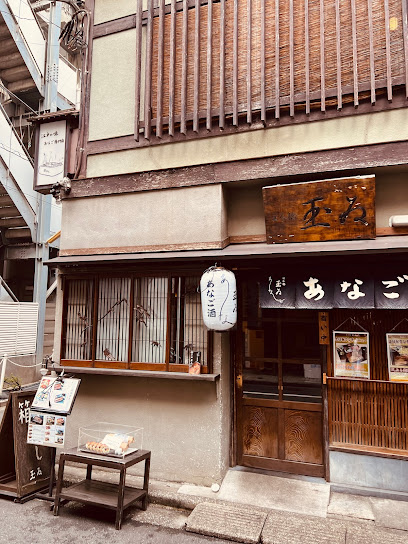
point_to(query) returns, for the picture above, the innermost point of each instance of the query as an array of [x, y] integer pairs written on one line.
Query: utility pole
[[45, 202]]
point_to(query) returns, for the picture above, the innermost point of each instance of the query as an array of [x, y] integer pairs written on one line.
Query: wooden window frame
[[167, 366]]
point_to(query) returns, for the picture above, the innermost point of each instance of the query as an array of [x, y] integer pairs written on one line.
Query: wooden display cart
[[113, 496]]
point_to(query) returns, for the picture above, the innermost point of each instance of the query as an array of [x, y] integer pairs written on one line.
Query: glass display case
[[110, 439]]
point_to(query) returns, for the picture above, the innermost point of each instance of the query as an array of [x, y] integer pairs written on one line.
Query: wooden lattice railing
[[369, 415], [205, 64]]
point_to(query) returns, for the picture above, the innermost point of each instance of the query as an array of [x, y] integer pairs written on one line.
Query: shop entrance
[[279, 405]]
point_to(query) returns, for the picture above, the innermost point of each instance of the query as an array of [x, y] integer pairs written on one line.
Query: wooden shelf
[[157, 374], [101, 494]]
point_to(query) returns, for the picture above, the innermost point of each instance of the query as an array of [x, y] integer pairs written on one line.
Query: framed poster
[[56, 395], [46, 429], [397, 352], [351, 354]]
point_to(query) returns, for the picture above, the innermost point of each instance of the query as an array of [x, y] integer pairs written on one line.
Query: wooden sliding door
[[279, 392]]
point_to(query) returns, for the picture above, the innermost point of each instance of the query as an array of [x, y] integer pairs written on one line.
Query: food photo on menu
[[56, 394], [46, 430]]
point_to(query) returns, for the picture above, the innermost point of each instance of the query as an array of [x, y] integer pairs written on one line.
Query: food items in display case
[[110, 440]]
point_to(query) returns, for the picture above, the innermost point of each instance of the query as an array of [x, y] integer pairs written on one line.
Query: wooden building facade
[[192, 111]]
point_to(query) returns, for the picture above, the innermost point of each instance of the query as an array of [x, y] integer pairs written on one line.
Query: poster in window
[[397, 351], [351, 354]]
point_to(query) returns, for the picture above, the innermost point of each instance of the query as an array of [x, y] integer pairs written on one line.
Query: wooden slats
[[212, 61], [148, 78], [355, 62], [221, 120], [370, 416], [235, 67], [322, 62], [277, 60], [172, 70], [160, 74], [405, 38], [138, 68], [291, 61], [338, 56], [307, 57], [249, 61], [209, 64], [183, 125], [196, 66], [371, 44], [388, 48], [263, 63]]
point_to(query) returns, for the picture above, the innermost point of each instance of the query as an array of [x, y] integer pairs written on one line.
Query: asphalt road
[[34, 523]]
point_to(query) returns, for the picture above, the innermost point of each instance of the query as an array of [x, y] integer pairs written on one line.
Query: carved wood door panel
[[279, 393]]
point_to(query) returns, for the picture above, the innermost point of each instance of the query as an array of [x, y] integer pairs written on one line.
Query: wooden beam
[[356, 160]]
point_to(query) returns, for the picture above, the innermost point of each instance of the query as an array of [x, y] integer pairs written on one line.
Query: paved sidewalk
[[278, 509]]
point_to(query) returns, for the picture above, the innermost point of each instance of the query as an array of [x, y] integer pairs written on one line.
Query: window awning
[[389, 244]]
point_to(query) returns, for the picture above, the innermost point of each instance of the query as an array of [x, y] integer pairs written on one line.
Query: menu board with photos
[[46, 429], [56, 394]]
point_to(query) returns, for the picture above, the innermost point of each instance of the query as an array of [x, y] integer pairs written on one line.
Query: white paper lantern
[[219, 298]]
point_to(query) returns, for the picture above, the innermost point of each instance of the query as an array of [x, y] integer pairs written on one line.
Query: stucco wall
[[112, 110], [391, 196], [357, 130], [192, 215], [245, 206], [186, 423]]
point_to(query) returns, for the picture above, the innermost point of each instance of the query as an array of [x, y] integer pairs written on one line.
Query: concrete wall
[[368, 471], [193, 215], [186, 423]]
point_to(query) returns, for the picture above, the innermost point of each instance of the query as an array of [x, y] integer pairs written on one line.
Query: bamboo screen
[[112, 333], [189, 332], [152, 321], [206, 60], [78, 322], [370, 415]]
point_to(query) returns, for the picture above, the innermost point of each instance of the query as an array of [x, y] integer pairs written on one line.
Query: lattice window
[[152, 323]]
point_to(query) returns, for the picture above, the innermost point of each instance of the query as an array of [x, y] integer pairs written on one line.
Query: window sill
[[141, 373]]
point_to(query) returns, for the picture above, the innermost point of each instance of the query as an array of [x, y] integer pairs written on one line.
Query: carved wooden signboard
[[333, 209], [24, 468]]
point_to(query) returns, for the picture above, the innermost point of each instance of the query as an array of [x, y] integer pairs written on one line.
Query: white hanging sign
[[219, 298], [51, 152]]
